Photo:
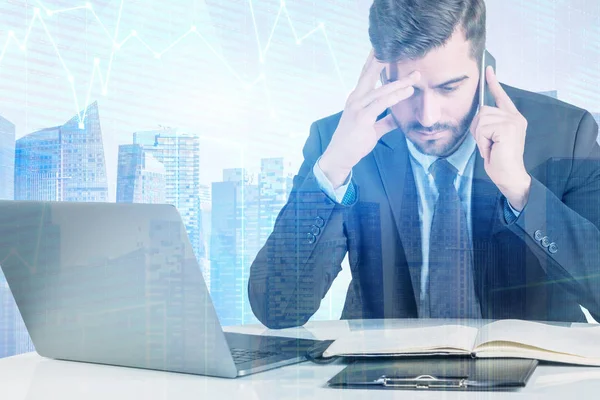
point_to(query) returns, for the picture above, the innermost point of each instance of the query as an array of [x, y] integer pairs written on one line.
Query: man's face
[[437, 116]]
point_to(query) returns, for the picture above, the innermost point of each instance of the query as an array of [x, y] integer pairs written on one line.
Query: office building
[[8, 311], [179, 153], [234, 244], [141, 178], [63, 163], [206, 210], [243, 216], [13, 334]]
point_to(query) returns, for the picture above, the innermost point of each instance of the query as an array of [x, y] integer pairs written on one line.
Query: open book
[[502, 338]]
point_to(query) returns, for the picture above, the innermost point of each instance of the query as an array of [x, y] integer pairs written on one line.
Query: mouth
[[431, 135]]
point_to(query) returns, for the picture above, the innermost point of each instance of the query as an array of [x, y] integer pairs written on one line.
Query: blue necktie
[[451, 291]]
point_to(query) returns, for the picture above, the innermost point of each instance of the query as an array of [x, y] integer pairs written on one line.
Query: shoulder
[[552, 124], [541, 109]]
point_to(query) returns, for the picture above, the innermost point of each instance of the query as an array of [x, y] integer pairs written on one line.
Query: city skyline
[[227, 224], [53, 153], [246, 79]]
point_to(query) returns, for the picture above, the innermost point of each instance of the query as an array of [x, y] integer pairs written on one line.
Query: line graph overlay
[[102, 75]]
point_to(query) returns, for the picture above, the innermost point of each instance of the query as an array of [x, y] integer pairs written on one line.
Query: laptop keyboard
[[244, 355]]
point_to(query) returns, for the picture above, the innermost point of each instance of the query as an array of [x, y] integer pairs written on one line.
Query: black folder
[[455, 373]]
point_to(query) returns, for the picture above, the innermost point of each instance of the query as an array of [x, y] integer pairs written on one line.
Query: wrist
[[517, 193], [335, 173]]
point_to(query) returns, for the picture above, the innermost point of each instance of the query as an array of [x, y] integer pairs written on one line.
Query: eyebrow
[[451, 81]]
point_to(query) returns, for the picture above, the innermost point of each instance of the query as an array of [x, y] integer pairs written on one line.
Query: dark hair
[[409, 29]]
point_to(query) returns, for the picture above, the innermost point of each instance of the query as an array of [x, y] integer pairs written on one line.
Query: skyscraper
[[179, 153], [140, 176], [7, 159], [8, 314], [13, 334], [243, 216], [205, 197], [234, 244], [206, 212], [63, 163], [8, 310]]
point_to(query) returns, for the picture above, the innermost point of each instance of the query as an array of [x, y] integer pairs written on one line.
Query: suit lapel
[[484, 219], [393, 162]]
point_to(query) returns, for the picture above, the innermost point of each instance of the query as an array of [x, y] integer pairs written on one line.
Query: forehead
[[451, 59]]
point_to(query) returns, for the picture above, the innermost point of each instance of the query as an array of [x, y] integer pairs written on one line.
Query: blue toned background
[[95, 98]]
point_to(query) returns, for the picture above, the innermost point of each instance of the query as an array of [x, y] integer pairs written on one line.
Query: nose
[[428, 109]]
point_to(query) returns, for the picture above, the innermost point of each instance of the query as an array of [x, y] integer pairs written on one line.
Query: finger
[[473, 130], [487, 110], [387, 89], [379, 105], [502, 100], [485, 116], [369, 59], [369, 76], [489, 131], [385, 125], [490, 120], [474, 125], [483, 142], [486, 136]]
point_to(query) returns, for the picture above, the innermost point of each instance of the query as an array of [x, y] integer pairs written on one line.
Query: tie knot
[[443, 173]]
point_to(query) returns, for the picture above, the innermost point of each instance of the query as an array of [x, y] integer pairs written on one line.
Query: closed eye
[[448, 89]]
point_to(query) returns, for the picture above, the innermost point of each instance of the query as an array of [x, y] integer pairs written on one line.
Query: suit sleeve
[[564, 232], [299, 261]]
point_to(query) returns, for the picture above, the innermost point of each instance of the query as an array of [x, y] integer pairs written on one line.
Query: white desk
[[32, 377]]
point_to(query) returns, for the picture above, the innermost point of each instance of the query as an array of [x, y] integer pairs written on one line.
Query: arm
[[296, 266], [570, 252], [340, 194]]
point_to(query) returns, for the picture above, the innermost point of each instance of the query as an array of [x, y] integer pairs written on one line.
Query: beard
[[446, 145]]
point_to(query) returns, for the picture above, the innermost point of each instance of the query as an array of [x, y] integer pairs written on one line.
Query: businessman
[[446, 209]]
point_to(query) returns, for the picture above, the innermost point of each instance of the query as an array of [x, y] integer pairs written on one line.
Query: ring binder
[[436, 373], [423, 382]]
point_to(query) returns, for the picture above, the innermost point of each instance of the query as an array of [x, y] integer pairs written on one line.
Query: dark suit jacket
[[516, 275]]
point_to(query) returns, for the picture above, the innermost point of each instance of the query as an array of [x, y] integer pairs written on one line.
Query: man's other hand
[[359, 131]]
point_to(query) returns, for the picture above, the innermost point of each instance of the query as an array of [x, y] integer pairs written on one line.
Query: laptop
[[118, 284]]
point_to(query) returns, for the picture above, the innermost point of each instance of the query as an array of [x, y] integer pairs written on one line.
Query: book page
[[451, 339], [534, 337]]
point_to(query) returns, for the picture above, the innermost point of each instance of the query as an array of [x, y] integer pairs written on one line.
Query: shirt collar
[[459, 159]]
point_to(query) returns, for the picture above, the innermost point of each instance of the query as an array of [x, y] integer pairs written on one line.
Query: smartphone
[[485, 97], [383, 77]]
